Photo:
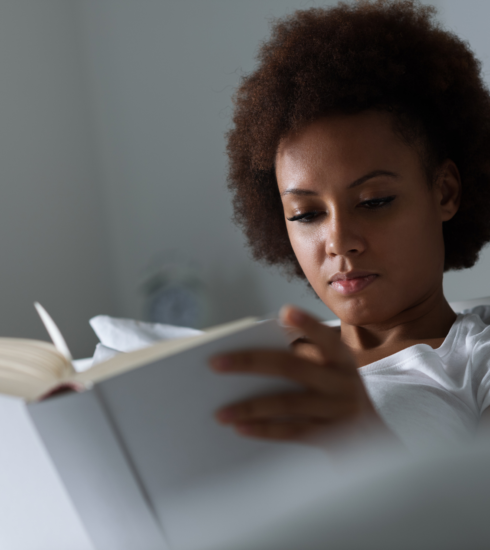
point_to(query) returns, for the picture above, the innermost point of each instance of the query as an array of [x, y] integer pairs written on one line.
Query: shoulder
[[474, 326], [475, 338], [481, 312], [471, 338]]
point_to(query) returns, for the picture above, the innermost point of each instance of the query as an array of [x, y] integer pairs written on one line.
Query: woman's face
[[363, 222]]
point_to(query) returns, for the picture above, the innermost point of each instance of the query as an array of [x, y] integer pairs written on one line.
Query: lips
[[352, 281]]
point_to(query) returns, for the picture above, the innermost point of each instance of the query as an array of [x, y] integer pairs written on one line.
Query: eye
[[304, 218], [373, 204]]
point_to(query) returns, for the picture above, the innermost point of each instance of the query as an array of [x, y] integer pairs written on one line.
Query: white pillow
[[129, 334], [123, 335]]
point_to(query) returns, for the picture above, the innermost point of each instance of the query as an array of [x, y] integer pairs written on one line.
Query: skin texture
[[355, 197]]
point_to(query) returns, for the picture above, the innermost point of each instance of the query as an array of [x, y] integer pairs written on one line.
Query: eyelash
[[372, 204]]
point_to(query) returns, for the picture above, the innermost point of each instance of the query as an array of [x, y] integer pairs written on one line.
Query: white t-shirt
[[435, 397]]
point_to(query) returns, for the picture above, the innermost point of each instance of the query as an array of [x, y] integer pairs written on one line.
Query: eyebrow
[[359, 181]]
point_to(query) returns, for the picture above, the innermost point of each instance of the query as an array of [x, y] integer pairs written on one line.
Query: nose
[[343, 237]]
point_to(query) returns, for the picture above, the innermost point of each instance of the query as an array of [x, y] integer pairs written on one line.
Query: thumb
[[327, 339]]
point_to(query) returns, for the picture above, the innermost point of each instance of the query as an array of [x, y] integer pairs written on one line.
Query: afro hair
[[385, 55]]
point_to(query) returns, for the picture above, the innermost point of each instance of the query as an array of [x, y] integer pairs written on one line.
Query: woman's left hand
[[331, 392]]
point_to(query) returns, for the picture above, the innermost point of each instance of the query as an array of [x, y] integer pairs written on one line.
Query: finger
[[334, 352], [286, 365], [290, 406]]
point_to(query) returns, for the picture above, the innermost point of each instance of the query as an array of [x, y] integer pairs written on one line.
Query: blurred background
[[112, 165]]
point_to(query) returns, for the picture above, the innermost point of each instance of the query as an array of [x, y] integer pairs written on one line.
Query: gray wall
[[112, 153], [53, 244]]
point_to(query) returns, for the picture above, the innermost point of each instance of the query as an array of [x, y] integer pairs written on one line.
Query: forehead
[[343, 146]]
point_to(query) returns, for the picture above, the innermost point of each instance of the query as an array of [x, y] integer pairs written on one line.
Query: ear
[[447, 189]]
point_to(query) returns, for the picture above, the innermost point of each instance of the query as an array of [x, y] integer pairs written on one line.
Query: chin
[[358, 311]]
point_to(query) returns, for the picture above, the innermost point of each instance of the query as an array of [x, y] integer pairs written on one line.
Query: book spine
[[96, 472]]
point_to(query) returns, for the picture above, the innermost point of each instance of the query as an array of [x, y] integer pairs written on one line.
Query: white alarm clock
[[176, 295]]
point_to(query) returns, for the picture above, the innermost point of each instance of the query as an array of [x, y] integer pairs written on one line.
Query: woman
[[359, 161]]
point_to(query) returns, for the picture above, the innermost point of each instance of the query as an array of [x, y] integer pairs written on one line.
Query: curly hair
[[385, 55]]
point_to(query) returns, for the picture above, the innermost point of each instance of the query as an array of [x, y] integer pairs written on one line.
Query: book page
[[29, 367]]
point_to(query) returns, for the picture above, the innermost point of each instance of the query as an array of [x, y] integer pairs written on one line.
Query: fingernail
[[221, 363], [295, 315]]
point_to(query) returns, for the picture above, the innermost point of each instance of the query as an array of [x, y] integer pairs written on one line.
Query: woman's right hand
[[331, 392]]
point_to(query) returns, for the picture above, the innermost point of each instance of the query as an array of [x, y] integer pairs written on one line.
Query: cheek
[[309, 248], [413, 245]]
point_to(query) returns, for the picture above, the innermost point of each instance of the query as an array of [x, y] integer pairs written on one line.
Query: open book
[[138, 449], [33, 369]]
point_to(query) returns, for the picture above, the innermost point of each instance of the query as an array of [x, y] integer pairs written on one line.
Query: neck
[[426, 321]]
